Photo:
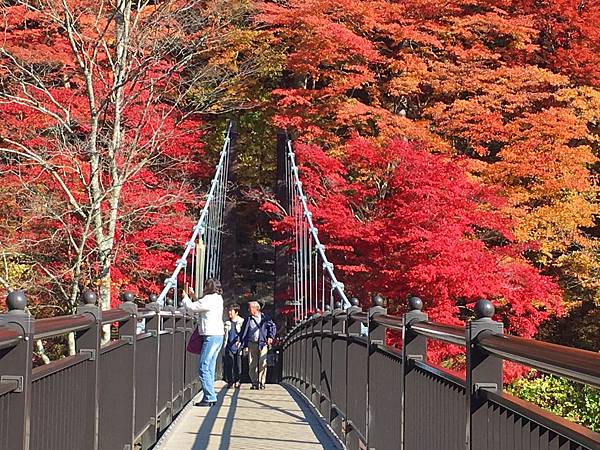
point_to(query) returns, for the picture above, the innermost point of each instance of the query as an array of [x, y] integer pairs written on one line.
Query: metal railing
[[378, 397], [120, 395]]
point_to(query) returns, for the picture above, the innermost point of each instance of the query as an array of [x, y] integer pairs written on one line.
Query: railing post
[[15, 367], [153, 327], [179, 362], [187, 383], [306, 345], [295, 359], [315, 364], [484, 372], [414, 348], [353, 329], [326, 358], [375, 337], [297, 352], [128, 333], [88, 342], [338, 371], [168, 325]]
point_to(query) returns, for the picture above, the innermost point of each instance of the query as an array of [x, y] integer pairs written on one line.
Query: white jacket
[[210, 309]]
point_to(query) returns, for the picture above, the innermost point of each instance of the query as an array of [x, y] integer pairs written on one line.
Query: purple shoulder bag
[[195, 343]]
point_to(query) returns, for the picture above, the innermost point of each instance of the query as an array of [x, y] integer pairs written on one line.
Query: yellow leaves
[[585, 101], [555, 225], [582, 272], [13, 272]]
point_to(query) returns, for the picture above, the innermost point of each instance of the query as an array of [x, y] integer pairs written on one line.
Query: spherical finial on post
[[338, 305], [354, 301], [127, 296], [377, 300], [415, 304], [16, 301], [484, 309], [327, 308], [152, 298], [89, 297], [169, 301]]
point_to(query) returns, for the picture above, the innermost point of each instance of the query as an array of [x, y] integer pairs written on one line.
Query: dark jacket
[[266, 327], [232, 336]]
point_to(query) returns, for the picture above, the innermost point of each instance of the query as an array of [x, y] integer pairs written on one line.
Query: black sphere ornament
[[338, 305], [127, 296], [377, 300], [89, 297], [415, 304], [152, 298], [16, 300], [169, 302], [354, 301], [484, 309], [327, 308]]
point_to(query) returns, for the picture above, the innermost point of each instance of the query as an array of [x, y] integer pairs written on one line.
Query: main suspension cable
[[207, 230], [306, 241]]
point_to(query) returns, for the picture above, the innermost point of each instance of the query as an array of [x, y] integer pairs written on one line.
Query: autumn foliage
[[101, 153], [430, 231], [450, 150], [462, 142]]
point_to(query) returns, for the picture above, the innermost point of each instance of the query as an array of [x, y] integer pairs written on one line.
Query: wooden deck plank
[[246, 419]]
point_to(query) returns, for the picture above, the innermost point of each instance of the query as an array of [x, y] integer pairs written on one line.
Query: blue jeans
[[208, 362]]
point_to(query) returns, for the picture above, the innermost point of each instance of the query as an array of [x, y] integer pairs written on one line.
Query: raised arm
[[196, 307]]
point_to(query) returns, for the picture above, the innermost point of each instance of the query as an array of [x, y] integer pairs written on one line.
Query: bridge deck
[[274, 418]]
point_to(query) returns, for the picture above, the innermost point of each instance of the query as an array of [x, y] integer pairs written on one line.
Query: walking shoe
[[205, 403], [254, 387], [261, 386]]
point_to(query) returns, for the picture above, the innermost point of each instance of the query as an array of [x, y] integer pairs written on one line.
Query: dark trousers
[[232, 363]]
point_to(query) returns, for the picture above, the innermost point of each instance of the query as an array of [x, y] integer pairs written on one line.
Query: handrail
[[114, 315], [146, 313], [78, 386], [9, 337], [430, 389], [358, 315], [55, 326], [575, 364], [392, 322], [451, 334], [578, 365]]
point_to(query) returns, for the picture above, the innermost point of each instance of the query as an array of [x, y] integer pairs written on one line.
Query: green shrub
[[573, 401]]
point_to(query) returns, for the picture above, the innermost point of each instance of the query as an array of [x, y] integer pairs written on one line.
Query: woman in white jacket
[[210, 328]]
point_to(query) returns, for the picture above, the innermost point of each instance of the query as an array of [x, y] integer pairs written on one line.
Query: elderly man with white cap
[[256, 338]]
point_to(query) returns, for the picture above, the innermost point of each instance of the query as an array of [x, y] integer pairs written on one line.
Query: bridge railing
[[378, 397], [119, 395]]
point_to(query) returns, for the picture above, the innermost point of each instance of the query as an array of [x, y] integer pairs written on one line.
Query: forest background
[[450, 150]]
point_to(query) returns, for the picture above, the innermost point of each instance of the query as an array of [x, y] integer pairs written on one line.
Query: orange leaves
[[489, 84]]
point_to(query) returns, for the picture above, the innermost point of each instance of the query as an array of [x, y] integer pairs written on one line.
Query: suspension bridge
[[335, 382]]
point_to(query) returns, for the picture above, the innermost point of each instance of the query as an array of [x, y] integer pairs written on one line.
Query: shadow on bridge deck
[[274, 418]]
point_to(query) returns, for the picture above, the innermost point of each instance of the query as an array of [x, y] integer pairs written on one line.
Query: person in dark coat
[[232, 356], [257, 336]]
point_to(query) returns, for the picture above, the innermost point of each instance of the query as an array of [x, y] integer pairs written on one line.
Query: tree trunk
[[104, 299]]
